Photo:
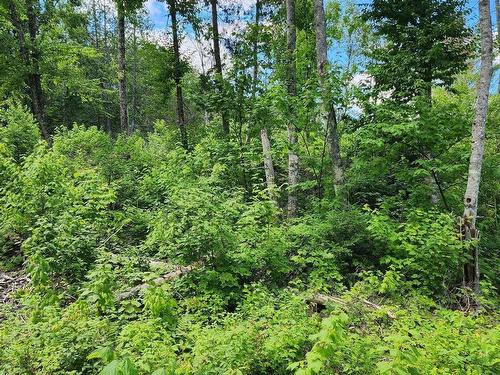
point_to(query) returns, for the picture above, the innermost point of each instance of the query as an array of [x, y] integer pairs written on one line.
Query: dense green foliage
[[124, 254], [424, 42], [89, 213]]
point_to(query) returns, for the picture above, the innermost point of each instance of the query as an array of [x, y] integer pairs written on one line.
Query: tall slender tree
[[99, 19], [31, 56], [134, 100], [478, 139], [106, 82], [181, 122], [97, 46], [255, 47], [255, 35], [497, 9], [122, 8], [218, 64], [122, 82], [293, 158], [328, 113]]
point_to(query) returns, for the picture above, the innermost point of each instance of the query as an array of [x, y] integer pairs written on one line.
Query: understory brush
[[143, 258]]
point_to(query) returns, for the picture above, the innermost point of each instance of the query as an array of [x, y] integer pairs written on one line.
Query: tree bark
[[323, 300], [173, 275], [497, 8], [35, 76], [95, 21], [255, 73], [122, 83], [31, 56], [478, 137], [134, 105], [268, 165], [96, 24], [328, 113], [177, 69], [105, 84], [218, 64], [258, 8], [293, 159]]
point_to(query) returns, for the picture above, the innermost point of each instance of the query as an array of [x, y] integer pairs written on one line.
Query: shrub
[[265, 334], [57, 211], [58, 343], [148, 344], [425, 248], [418, 341], [19, 132]]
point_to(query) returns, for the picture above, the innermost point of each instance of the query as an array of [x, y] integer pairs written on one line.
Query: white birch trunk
[[497, 7], [478, 137]]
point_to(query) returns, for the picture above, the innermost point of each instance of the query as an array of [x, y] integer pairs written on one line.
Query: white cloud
[[363, 79], [496, 61], [197, 52], [102, 5], [246, 5], [153, 8]]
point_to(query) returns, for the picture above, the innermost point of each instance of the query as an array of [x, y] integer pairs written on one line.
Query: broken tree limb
[[322, 299], [153, 263], [172, 275]]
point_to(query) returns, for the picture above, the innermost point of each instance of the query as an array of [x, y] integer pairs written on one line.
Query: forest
[[249, 187]]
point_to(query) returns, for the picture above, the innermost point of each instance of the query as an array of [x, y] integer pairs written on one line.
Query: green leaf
[[112, 368]]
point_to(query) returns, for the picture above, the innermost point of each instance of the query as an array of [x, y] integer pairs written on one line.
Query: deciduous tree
[[478, 140], [293, 158], [328, 113]]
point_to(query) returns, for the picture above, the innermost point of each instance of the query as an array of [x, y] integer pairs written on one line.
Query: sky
[[158, 12], [199, 52]]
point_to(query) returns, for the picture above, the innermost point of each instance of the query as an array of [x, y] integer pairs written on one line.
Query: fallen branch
[[172, 275], [153, 263], [322, 299]]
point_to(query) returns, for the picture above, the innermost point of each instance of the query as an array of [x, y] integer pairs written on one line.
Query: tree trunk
[[218, 64], [35, 76], [268, 165], [95, 21], [178, 89], [478, 136], [30, 56], [105, 84], [122, 84], [170, 276], [293, 159], [99, 8], [497, 7], [258, 8], [328, 113], [133, 117], [255, 74], [96, 25], [430, 179]]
